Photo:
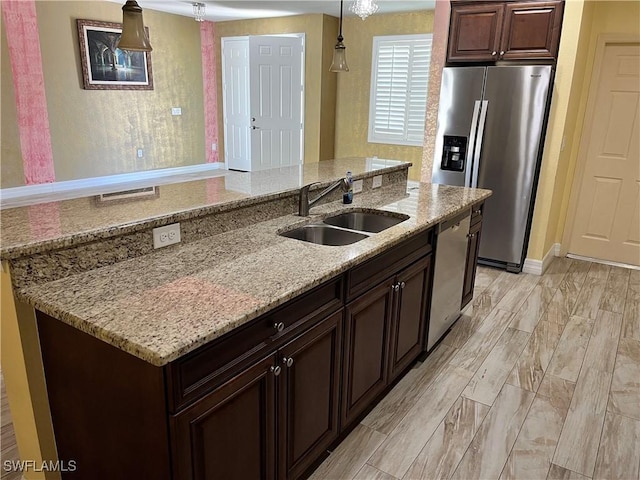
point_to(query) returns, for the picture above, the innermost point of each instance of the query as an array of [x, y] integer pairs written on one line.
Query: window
[[399, 78]]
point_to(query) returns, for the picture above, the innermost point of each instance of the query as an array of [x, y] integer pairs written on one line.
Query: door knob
[[275, 369], [288, 361], [253, 119], [278, 326], [253, 127]]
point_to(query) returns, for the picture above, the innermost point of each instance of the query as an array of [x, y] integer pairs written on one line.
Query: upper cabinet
[[488, 32]]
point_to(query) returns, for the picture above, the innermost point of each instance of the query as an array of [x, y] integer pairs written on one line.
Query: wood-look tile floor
[[8, 446], [539, 379]]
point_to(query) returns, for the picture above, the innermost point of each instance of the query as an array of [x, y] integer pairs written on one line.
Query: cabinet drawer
[[476, 213], [197, 373], [376, 270]]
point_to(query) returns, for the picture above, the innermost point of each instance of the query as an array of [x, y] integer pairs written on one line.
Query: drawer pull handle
[[288, 361], [275, 369], [278, 327]]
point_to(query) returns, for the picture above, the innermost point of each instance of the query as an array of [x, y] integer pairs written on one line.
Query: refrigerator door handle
[[478, 143], [472, 139]]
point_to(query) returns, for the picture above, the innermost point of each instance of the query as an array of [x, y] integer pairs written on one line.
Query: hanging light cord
[[340, 38]]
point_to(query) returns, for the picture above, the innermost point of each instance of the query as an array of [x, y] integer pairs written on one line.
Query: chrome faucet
[[305, 204]]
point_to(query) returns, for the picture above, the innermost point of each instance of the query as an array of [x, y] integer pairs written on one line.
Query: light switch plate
[[167, 235], [377, 181], [176, 111], [357, 186]]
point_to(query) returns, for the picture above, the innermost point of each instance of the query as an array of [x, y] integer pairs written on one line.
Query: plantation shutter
[[399, 79]]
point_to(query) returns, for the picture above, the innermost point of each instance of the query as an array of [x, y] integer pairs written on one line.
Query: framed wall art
[[106, 67]]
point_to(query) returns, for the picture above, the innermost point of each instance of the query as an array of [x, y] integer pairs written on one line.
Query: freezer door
[[516, 104], [460, 96]]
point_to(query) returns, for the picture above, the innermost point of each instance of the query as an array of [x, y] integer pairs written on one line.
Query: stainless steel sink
[[324, 235], [365, 221]]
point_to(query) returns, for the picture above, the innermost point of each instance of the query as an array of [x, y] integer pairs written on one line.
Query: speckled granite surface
[[165, 304], [38, 228]]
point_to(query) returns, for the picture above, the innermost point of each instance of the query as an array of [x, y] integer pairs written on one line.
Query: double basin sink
[[346, 228]]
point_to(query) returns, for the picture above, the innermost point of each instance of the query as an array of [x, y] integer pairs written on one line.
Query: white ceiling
[[241, 9]]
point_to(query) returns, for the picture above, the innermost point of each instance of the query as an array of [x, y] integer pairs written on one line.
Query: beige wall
[[352, 110], [319, 95], [583, 22], [95, 133], [11, 172]]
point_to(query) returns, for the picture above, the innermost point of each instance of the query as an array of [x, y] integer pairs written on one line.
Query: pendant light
[[134, 36], [339, 63]]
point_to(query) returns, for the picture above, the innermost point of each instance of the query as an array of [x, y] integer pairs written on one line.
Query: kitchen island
[[151, 354]]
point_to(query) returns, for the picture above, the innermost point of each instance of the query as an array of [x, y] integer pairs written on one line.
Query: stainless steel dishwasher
[[448, 276]]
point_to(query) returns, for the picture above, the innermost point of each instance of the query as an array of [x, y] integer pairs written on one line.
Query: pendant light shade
[[134, 36], [339, 63]]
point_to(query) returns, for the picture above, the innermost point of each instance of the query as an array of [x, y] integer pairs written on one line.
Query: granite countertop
[[163, 305], [58, 224]]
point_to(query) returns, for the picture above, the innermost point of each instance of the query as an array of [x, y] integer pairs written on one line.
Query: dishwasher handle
[[453, 222]]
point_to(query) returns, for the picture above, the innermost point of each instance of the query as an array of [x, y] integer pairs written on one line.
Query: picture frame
[[106, 67]]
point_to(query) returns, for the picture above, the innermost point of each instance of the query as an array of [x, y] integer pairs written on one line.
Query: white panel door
[[276, 101], [237, 118], [607, 220]]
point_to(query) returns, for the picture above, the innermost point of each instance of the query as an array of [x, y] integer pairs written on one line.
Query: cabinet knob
[[494, 53], [502, 53], [396, 287], [402, 285], [471, 235], [279, 326], [477, 212], [288, 361], [275, 369]]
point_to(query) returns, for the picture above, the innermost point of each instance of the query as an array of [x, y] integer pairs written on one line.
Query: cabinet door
[[408, 327], [472, 263], [366, 356], [531, 30], [309, 396], [474, 32], [230, 433]]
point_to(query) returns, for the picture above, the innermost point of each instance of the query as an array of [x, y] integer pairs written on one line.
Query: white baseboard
[[538, 267], [30, 194]]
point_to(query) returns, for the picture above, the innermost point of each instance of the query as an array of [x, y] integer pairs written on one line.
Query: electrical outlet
[[357, 186], [176, 111], [377, 181], [140, 153], [167, 235]]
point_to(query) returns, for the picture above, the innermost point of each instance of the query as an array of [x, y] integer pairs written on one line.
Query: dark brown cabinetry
[[473, 247], [487, 32], [309, 388], [384, 334], [231, 432]]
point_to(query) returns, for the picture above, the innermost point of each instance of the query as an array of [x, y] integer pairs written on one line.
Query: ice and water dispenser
[[454, 153]]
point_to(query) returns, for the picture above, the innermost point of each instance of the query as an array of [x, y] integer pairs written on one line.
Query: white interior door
[[275, 71], [235, 103], [607, 219]]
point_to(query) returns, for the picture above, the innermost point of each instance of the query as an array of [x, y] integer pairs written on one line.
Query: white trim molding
[[538, 267], [31, 194]]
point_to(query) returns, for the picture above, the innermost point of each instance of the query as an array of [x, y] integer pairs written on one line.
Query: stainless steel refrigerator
[[491, 125]]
